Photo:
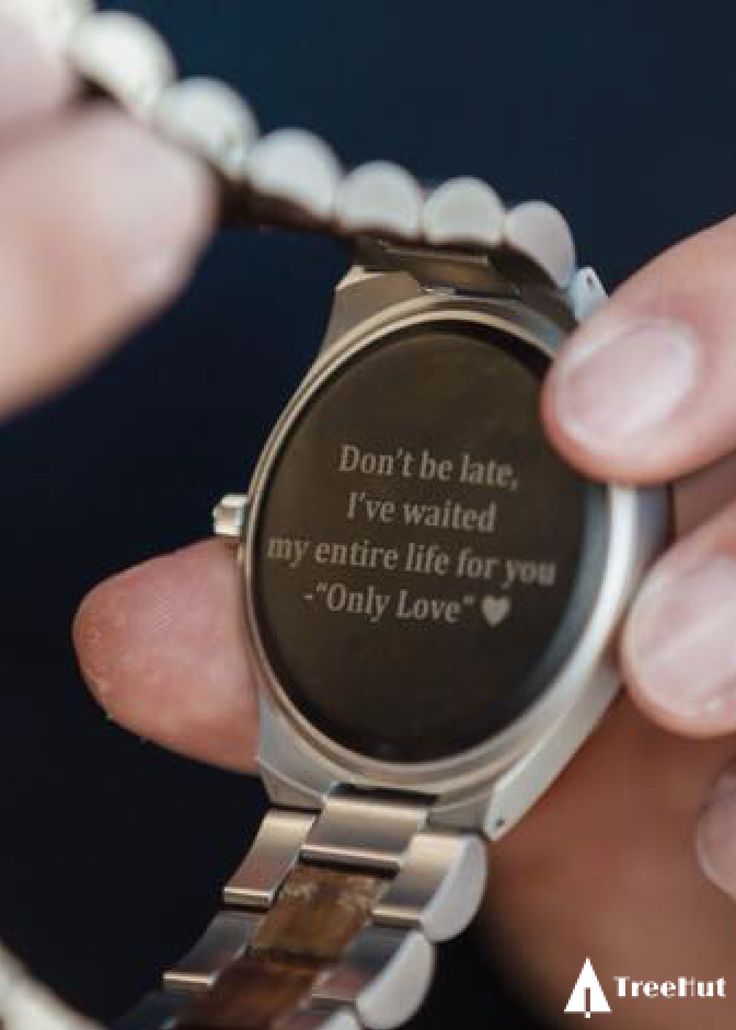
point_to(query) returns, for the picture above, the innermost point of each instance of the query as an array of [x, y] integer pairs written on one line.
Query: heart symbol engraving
[[495, 609]]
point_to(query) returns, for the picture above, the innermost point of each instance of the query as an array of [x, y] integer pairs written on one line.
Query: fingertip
[[682, 723], [641, 392], [34, 78], [715, 837], [554, 426], [102, 223], [161, 649], [601, 412], [677, 649], [162, 200]]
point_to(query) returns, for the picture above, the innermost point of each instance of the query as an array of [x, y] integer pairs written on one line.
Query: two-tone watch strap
[[290, 177], [330, 922]]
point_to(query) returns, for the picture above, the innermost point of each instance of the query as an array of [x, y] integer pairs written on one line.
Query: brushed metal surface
[[440, 885], [366, 832], [273, 853], [385, 974], [226, 938]]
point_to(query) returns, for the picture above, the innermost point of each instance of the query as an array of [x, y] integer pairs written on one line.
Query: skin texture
[[631, 857]]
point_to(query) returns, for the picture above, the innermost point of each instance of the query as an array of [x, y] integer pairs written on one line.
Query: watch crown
[[228, 517]]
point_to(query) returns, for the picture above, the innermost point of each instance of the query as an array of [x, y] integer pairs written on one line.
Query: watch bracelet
[[330, 922], [290, 178]]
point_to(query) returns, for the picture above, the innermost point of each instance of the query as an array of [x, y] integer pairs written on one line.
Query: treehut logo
[[588, 996]]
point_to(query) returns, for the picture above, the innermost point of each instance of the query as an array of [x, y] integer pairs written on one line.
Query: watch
[[429, 596], [429, 593]]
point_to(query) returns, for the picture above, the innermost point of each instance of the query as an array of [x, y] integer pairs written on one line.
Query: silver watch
[[429, 592], [430, 596]]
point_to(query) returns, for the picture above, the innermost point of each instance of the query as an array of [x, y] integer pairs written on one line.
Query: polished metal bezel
[[469, 773]]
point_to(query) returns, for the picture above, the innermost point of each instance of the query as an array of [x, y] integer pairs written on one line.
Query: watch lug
[[361, 295], [291, 773], [521, 786]]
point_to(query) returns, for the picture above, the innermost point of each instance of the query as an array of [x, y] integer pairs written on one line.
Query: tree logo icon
[[587, 994]]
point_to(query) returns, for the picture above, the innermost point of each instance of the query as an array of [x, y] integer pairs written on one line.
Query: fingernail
[[715, 839], [680, 643], [33, 78], [615, 385], [159, 205]]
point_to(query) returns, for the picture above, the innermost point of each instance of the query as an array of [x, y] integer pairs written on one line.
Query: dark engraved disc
[[423, 561]]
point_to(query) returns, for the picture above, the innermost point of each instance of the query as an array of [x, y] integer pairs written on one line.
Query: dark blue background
[[620, 112]]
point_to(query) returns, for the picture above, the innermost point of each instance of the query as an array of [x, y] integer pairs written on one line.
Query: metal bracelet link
[[434, 882], [363, 832], [290, 177]]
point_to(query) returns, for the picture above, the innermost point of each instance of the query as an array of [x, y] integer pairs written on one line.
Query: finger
[[679, 644], [716, 833], [34, 80], [644, 391], [100, 224], [161, 648]]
